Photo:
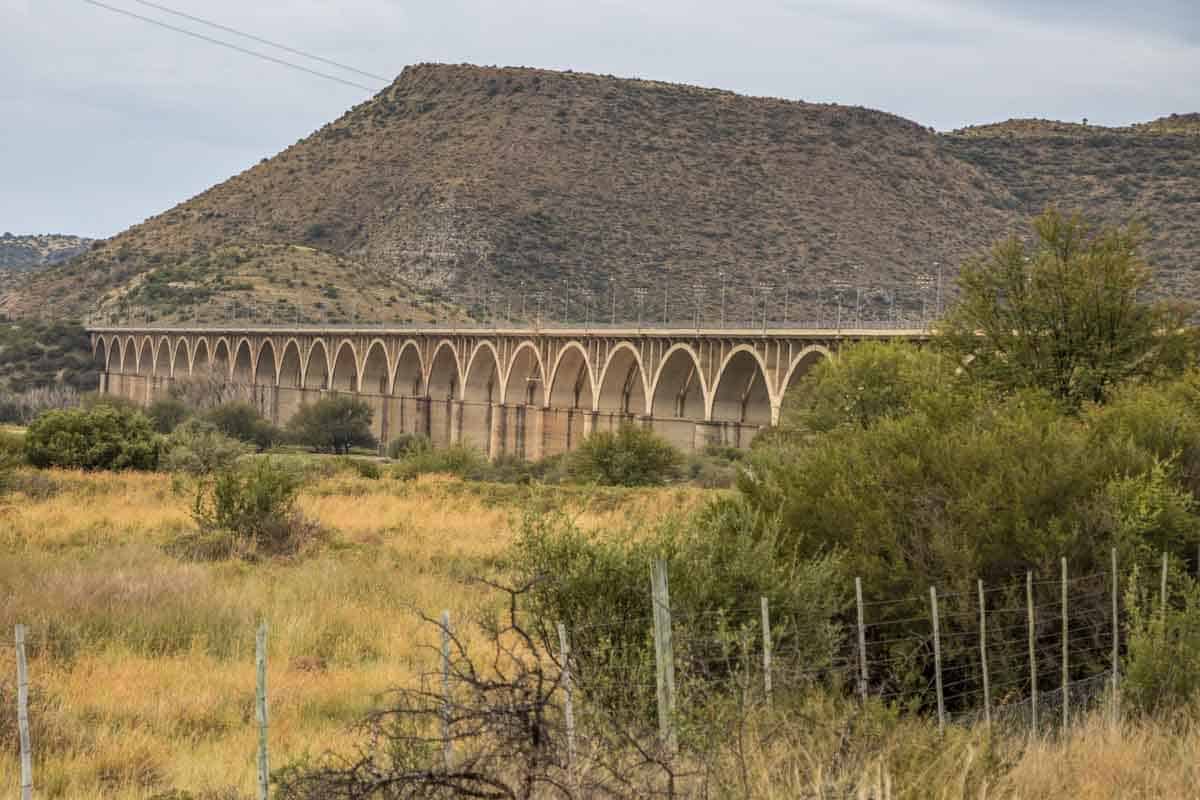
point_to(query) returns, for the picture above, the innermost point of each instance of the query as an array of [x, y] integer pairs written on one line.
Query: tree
[[103, 437], [631, 456], [242, 421], [1065, 315], [334, 424]]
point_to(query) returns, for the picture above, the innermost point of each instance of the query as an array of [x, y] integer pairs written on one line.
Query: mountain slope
[[474, 187], [30, 252]]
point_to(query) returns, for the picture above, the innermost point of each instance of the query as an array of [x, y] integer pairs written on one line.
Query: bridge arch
[[129, 356], [266, 365], [345, 368], [145, 359], [243, 363], [181, 360], [445, 372], [408, 377], [291, 368], [375, 374], [742, 392], [801, 365], [572, 383], [316, 366], [162, 358], [679, 389], [200, 357], [623, 382], [221, 360], [100, 350], [482, 392], [525, 377], [113, 360]]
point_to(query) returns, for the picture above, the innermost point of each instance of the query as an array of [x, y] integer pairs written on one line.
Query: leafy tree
[[630, 456], [166, 413], [199, 449], [102, 437], [334, 424], [1064, 315], [242, 421]]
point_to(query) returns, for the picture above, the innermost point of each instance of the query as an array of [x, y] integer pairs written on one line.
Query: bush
[[242, 421], [1162, 664], [254, 508], [360, 466], [632, 456], [334, 424], [166, 414], [458, 460], [408, 444], [197, 448], [103, 437]]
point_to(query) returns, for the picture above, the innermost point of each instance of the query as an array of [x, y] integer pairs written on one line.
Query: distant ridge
[[31, 251], [461, 186]]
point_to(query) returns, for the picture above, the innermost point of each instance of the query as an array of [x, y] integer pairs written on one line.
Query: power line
[[261, 40], [211, 40]]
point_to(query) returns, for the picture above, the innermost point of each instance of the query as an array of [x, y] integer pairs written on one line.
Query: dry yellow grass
[[147, 684]]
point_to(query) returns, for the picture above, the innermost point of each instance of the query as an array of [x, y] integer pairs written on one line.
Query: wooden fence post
[[766, 640], [1066, 677], [1116, 642], [664, 655], [447, 745], [862, 641], [564, 645], [987, 691], [937, 661], [23, 716], [1163, 591], [260, 711], [1033, 666]]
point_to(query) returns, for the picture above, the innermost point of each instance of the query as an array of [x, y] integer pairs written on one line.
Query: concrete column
[[384, 428], [589, 424], [496, 420], [103, 383], [535, 432], [456, 421]]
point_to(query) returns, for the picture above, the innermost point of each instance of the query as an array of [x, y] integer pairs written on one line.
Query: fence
[[965, 668]]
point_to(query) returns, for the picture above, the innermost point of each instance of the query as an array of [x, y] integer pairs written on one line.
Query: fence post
[[1066, 678], [447, 746], [260, 712], [766, 639], [664, 656], [987, 691], [1163, 592], [937, 660], [862, 641], [564, 645], [23, 716], [1116, 634], [1033, 670]]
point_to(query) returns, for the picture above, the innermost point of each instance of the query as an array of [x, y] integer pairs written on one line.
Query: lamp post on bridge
[[698, 293], [924, 282], [587, 308], [839, 286], [722, 276], [566, 296], [612, 290], [640, 294], [765, 290]]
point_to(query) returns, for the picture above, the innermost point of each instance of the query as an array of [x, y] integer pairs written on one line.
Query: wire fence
[[1026, 654]]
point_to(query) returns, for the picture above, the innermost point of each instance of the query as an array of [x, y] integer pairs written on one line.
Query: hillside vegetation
[[29, 252]]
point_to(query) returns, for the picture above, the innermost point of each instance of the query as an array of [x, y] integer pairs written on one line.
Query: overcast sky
[[105, 120]]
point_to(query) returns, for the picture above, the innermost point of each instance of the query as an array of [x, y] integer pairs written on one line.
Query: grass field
[[142, 665]]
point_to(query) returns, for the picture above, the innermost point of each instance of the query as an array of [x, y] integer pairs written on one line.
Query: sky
[[106, 120]]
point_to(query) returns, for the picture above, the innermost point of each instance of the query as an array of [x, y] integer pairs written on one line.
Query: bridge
[[530, 391]]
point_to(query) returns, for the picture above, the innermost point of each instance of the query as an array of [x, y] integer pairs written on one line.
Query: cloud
[[109, 119]]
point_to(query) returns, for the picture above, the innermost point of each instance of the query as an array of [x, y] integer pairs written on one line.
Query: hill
[[462, 187], [1149, 172], [30, 252]]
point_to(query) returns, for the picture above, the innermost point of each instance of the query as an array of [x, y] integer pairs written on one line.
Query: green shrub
[[408, 444], [242, 421], [1162, 662], [631, 456], [255, 508], [199, 449], [103, 437], [334, 424], [167, 413], [362, 467], [458, 460]]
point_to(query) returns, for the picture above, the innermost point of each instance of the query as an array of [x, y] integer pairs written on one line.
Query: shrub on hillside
[[103, 437], [242, 421], [333, 424], [630, 456], [166, 414], [1162, 663]]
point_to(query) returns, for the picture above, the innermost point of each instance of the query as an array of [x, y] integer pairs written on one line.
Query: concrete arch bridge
[[531, 392]]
